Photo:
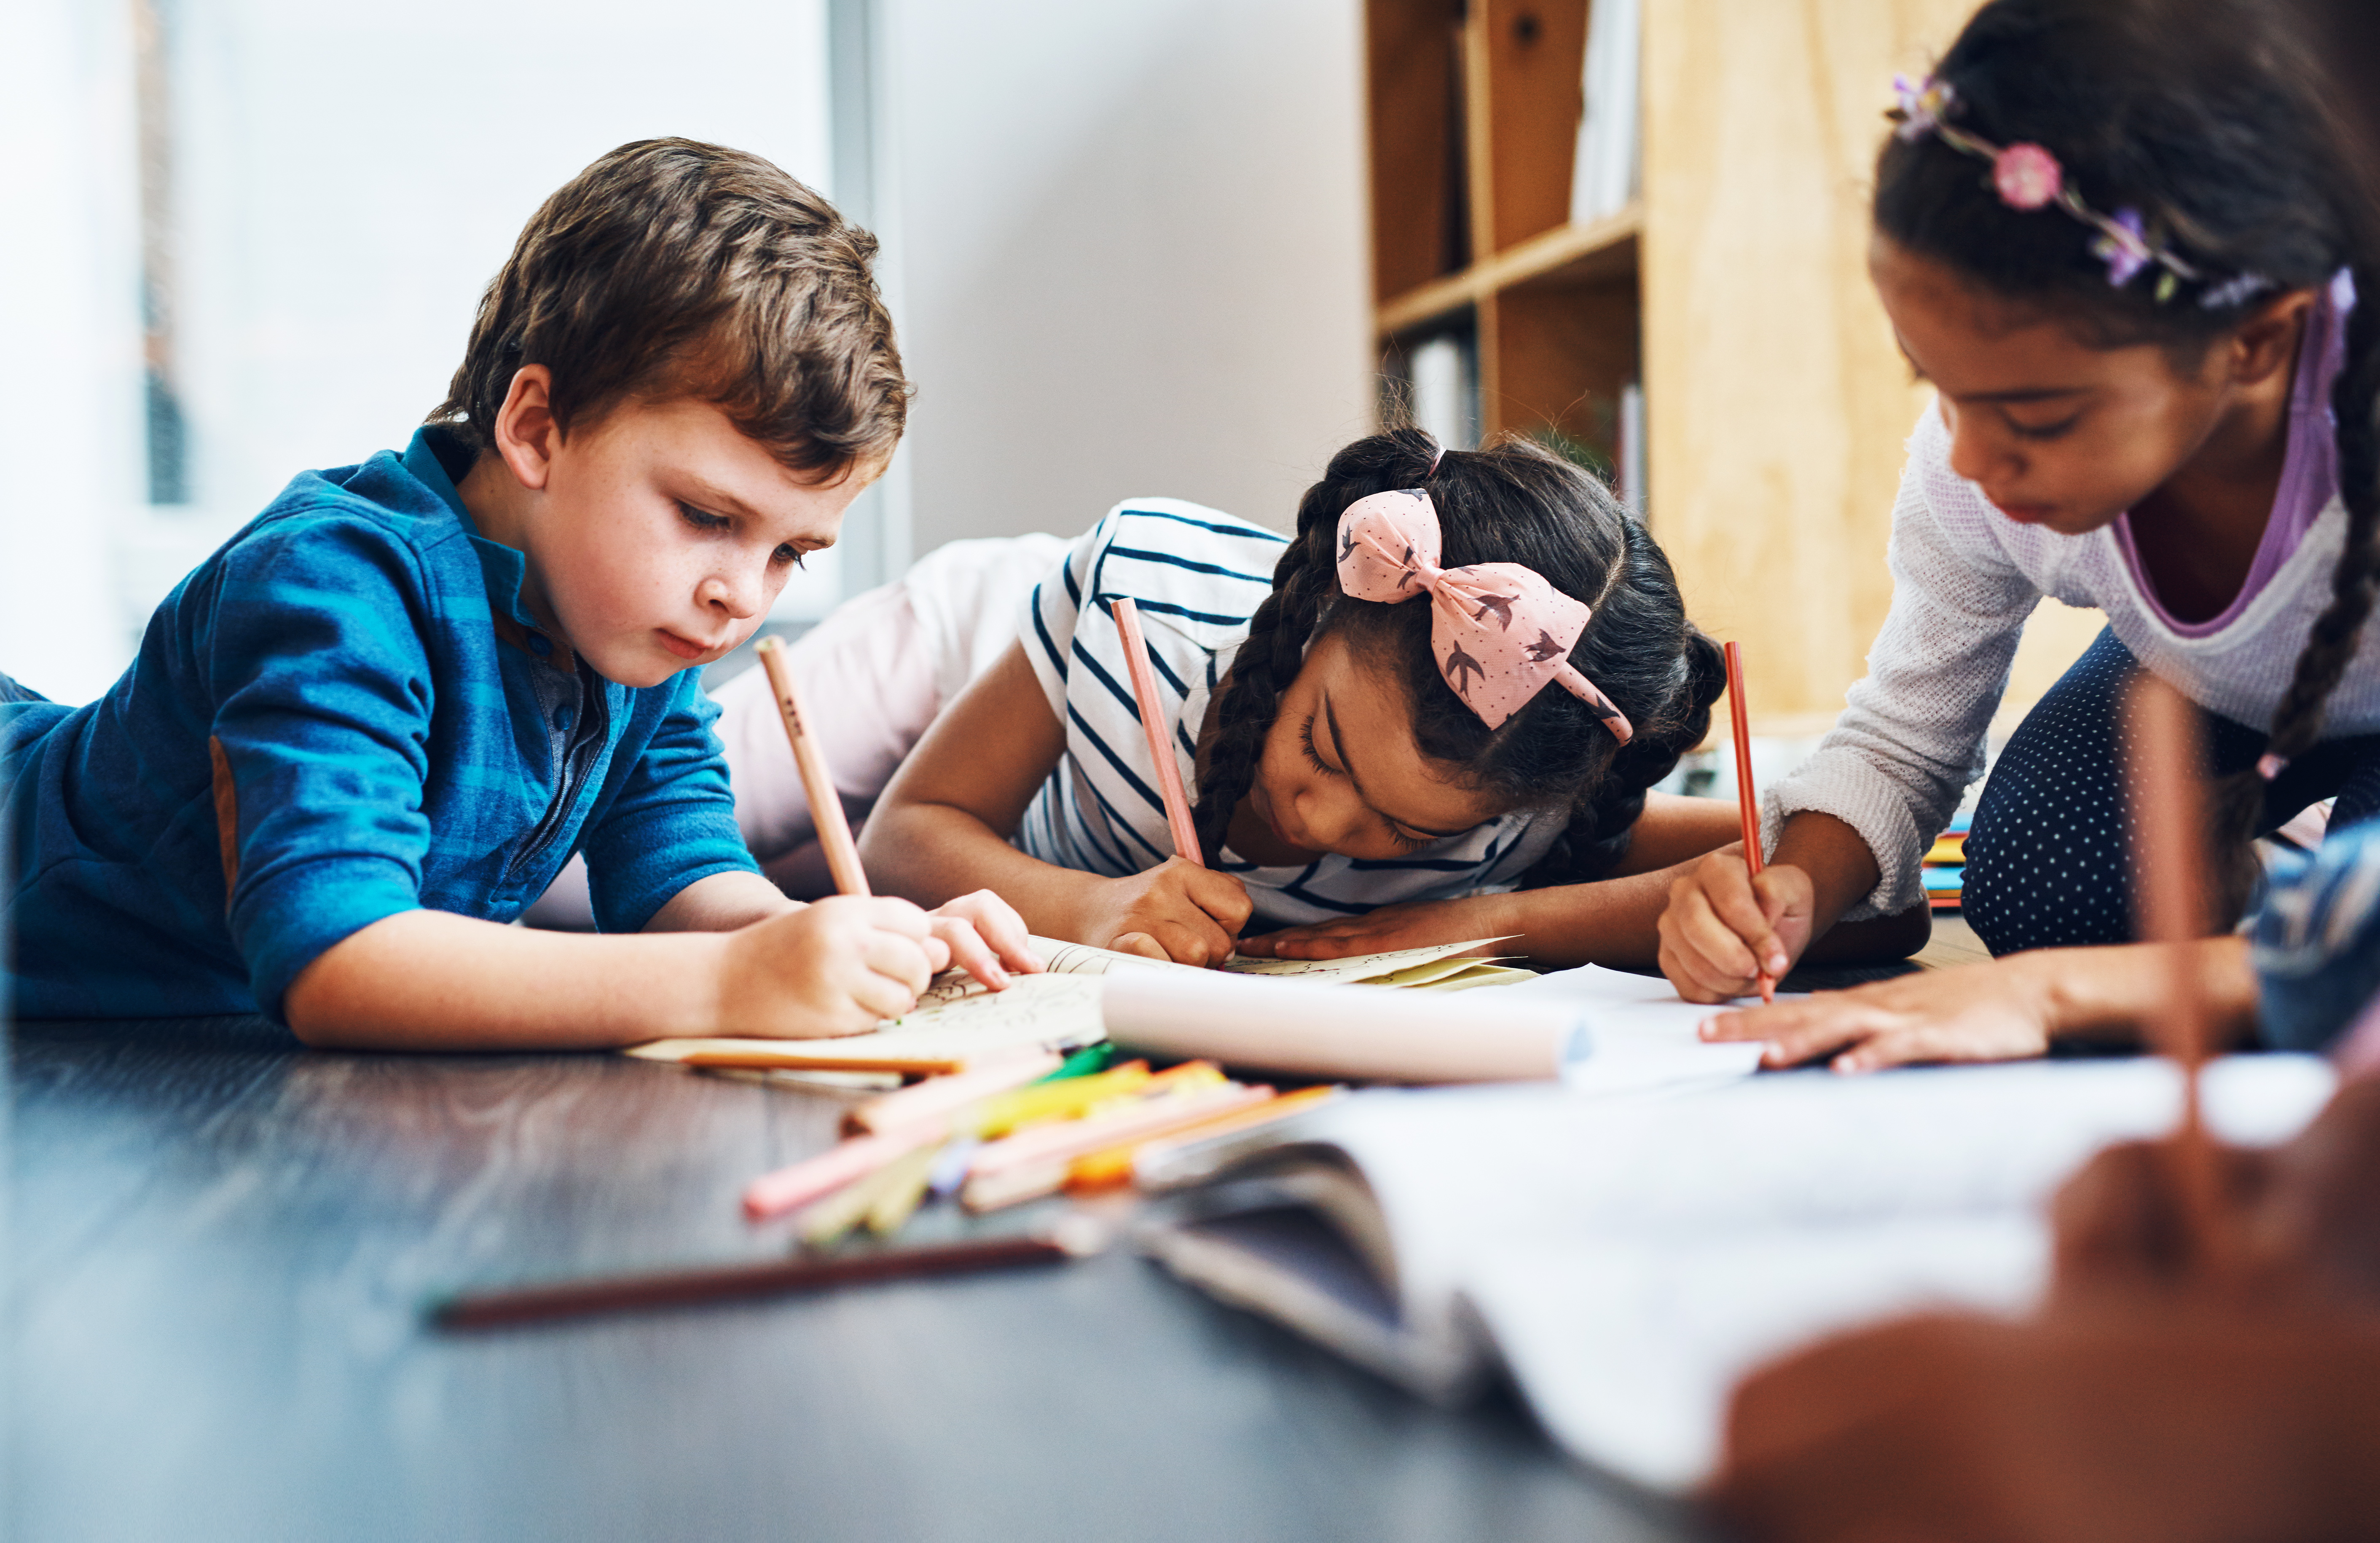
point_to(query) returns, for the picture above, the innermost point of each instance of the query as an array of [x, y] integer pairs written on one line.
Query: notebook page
[[1458, 1173], [1627, 1350]]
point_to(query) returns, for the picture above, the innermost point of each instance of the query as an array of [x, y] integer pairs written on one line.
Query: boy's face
[[658, 536]]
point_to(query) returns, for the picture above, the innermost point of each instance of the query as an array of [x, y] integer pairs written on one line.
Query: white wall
[[348, 178], [1130, 251], [69, 338]]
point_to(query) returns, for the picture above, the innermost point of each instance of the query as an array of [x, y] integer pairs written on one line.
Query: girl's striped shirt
[[1196, 576]]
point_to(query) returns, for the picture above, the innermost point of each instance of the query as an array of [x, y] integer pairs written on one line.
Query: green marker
[[1087, 1062]]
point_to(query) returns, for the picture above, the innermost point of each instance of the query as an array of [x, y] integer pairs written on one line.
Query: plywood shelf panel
[[1563, 256]]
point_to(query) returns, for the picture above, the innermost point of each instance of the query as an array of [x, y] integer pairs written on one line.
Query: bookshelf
[[1475, 113], [1733, 291]]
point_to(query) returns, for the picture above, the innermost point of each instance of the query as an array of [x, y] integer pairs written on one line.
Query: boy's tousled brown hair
[[673, 268]]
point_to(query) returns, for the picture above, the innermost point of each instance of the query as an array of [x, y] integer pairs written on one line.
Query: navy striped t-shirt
[[1196, 576]]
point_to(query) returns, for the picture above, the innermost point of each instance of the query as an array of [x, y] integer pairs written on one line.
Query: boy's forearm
[[932, 852], [722, 903], [429, 981]]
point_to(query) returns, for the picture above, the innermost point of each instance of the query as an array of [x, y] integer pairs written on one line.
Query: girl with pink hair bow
[[1434, 713]]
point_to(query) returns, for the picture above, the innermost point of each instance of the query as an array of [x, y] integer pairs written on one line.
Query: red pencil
[[491, 1309], [1746, 797], [1152, 724]]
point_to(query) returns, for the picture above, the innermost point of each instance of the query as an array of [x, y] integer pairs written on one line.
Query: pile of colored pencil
[[1012, 1130]]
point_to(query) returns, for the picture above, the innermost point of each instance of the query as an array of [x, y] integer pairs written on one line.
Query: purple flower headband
[[2028, 177]]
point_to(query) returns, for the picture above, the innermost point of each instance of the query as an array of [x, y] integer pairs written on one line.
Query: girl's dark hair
[[2212, 120], [1511, 503]]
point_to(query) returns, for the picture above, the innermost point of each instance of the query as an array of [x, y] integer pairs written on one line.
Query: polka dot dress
[[2047, 862]]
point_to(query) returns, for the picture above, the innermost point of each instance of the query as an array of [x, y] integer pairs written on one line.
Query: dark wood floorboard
[[221, 1248]]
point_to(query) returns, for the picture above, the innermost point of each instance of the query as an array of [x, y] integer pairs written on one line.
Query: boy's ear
[[525, 431], [2266, 342]]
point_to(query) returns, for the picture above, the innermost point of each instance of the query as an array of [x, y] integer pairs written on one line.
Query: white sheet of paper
[[1639, 1032]]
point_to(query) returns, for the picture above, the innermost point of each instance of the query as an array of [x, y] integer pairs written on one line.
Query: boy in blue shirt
[[371, 728]]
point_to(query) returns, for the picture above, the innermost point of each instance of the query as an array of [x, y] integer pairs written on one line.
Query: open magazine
[[1627, 1257]]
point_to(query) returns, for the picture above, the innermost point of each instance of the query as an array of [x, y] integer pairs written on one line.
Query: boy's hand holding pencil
[[840, 967]]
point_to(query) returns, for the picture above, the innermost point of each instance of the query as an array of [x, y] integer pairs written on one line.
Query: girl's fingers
[[1809, 1034], [1744, 912], [1189, 943], [1140, 943], [1219, 895], [1706, 938]]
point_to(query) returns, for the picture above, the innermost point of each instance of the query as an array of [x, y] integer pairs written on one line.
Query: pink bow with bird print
[[1500, 631]]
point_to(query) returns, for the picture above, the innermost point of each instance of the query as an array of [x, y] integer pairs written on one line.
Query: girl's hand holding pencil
[[1176, 910], [1727, 927]]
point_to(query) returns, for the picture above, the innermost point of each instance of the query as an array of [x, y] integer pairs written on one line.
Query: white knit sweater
[[1965, 578]]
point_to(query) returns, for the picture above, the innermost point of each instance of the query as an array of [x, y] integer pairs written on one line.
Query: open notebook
[[958, 1021], [1628, 1256]]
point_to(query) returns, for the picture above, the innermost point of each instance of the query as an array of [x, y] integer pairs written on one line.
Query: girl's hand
[[1176, 910], [2003, 1011], [1724, 927], [984, 933], [839, 966], [1418, 924]]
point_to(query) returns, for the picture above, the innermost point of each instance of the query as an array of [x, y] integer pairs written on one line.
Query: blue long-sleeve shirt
[[344, 713]]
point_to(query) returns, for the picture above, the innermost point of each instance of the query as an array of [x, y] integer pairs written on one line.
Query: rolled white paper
[[1369, 1033]]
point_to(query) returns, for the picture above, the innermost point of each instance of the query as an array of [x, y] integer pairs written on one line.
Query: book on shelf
[[1607, 170], [1443, 374], [1632, 449]]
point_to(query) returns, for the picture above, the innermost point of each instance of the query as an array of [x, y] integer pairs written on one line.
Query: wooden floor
[[222, 1248], [1954, 942]]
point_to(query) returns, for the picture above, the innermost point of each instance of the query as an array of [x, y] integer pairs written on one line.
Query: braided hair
[[2220, 135], [1513, 502]]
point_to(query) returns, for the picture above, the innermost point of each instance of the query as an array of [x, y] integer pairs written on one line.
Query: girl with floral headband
[[2127, 254], [1448, 695]]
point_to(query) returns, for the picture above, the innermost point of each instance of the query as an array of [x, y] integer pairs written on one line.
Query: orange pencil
[[826, 805], [1152, 724], [2166, 811], [1745, 797]]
